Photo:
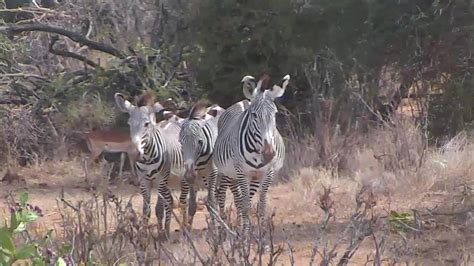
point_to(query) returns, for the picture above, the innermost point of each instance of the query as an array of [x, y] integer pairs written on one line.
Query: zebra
[[197, 137], [159, 154], [248, 85], [250, 148]]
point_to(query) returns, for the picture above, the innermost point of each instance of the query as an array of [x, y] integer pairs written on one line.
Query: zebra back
[[230, 114]]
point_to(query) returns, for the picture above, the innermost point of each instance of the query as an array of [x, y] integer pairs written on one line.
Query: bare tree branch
[[65, 53], [11, 30]]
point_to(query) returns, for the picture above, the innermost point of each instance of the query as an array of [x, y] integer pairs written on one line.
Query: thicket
[[61, 60]]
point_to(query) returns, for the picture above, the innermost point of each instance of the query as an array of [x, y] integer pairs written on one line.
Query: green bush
[[16, 244]]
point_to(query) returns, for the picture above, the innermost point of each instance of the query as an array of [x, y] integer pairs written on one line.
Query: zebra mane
[[147, 98], [198, 111]]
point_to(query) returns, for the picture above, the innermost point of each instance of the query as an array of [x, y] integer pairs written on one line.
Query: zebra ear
[[157, 107], [277, 90], [248, 86], [167, 115], [123, 105], [215, 110], [198, 111], [257, 89]]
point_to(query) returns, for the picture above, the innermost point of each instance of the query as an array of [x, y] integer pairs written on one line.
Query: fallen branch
[[11, 30], [23, 75], [15, 101]]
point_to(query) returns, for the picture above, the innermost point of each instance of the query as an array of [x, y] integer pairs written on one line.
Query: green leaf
[[24, 198], [28, 216], [27, 252], [5, 254], [60, 262], [5, 257], [38, 261], [14, 221], [6, 241], [20, 228]]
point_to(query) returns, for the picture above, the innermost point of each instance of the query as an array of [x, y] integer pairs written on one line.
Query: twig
[[69, 204], [290, 251], [186, 234], [370, 109], [222, 222]]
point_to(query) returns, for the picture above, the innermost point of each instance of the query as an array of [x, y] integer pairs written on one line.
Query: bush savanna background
[[377, 121]]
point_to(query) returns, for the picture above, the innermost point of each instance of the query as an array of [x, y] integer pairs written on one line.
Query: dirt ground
[[445, 239]]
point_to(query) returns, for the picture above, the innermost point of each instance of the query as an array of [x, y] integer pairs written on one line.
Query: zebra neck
[[251, 142], [152, 142]]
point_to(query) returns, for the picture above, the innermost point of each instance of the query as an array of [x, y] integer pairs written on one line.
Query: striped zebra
[[225, 119], [249, 148], [197, 137], [160, 154]]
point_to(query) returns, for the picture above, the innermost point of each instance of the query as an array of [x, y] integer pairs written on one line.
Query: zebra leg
[[234, 188], [122, 162], [160, 205], [183, 201], [261, 205], [145, 190], [243, 201], [221, 194], [164, 199], [254, 185], [211, 188], [192, 205]]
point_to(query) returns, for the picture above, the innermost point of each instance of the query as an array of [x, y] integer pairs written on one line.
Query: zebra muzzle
[[190, 174], [268, 152]]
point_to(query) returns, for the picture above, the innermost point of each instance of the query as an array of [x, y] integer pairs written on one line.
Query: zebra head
[[259, 123], [142, 118], [195, 139]]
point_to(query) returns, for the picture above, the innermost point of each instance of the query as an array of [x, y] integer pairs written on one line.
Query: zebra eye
[[254, 114], [200, 142], [147, 124]]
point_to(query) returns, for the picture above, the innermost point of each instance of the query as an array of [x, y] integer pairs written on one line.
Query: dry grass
[[394, 201]]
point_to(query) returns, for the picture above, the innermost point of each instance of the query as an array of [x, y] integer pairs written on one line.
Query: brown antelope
[[111, 141]]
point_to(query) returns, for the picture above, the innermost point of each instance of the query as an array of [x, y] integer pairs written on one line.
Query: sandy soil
[[448, 241]]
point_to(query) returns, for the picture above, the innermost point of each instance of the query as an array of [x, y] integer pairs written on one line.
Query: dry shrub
[[106, 229], [300, 153], [24, 136], [396, 147], [388, 158], [452, 164], [86, 113], [326, 147]]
